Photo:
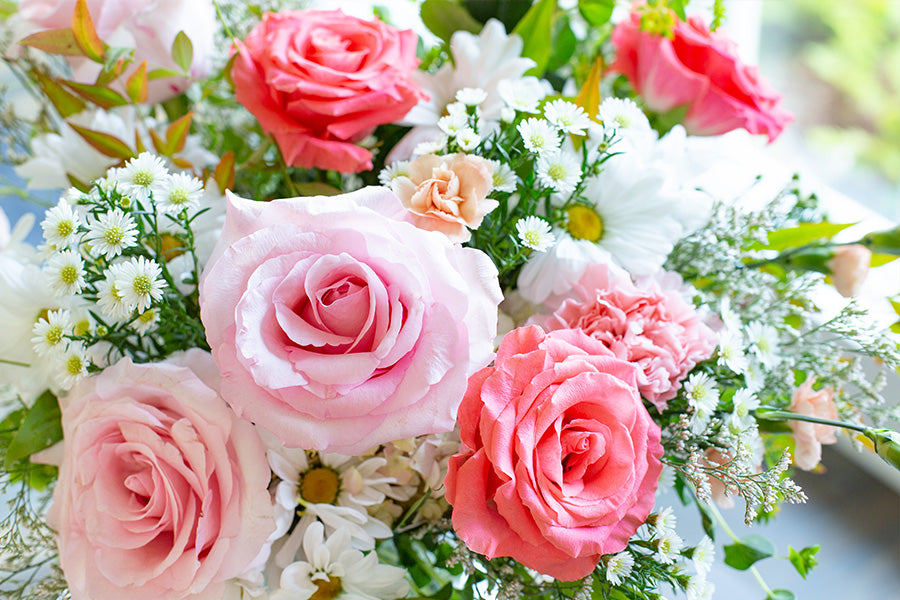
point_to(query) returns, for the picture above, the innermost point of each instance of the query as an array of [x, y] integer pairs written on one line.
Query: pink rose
[[699, 69], [560, 459], [148, 26], [447, 193], [337, 325], [809, 437], [320, 81], [650, 325], [162, 489], [849, 267]]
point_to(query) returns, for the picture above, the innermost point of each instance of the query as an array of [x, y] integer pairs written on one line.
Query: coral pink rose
[[148, 26], [339, 325], [650, 325], [162, 489], [447, 193], [560, 459], [849, 267], [699, 69], [320, 81], [809, 437]]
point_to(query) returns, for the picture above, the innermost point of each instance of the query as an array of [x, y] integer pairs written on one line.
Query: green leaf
[[803, 234], [100, 95], [564, 43], [881, 259], [895, 303], [137, 84], [780, 595], [316, 188], [804, 560], [85, 35], [7, 9], [895, 328], [54, 41], [160, 73], [444, 17], [536, 29], [183, 51], [40, 429], [706, 520], [66, 104], [177, 133], [105, 143], [678, 7], [743, 554], [596, 12]]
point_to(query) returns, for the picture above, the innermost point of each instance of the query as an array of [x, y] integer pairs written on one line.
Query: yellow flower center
[[68, 274], [658, 19], [54, 335], [82, 327], [142, 285], [143, 177], [532, 238], [74, 365], [584, 223], [113, 236], [557, 172], [178, 197], [327, 589], [147, 316], [64, 228], [320, 485]]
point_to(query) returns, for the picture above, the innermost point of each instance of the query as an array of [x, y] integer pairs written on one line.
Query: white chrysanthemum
[[763, 343], [334, 570], [453, 124], [534, 233], [539, 136], [504, 178], [139, 282], [110, 299], [111, 233], [390, 172], [467, 139], [619, 113], [560, 171], [664, 521], [618, 567], [72, 365], [146, 321], [50, 332], [699, 588], [703, 396], [745, 401], [179, 192], [60, 226], [471, 96], [731, 351], [436, 146], [668, 547], [569, 117], [522, 95], [65, 272], [704, 555], [142, 176]]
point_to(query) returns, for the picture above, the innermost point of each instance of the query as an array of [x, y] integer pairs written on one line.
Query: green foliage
[[804, 560], [444, 17], [596, 12], [183, 51], [805, 233], [39, 429], [536, 29], [743, 554]]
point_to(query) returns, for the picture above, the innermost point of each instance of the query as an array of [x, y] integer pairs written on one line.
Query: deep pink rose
[[650, 325], [162, 489], [560, 459], [320, 81], [339, 325], [699, 69]]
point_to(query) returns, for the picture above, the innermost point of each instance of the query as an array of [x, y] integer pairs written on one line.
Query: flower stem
[[727, 529], [771, 414]]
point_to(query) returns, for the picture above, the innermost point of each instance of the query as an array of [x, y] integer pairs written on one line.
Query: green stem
[[725, 527], [771, 414], [14, 363]]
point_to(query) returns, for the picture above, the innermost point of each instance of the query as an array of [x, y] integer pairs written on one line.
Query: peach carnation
[[809, 437], [849, 267]]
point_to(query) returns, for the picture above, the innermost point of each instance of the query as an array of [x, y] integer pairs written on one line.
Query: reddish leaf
[[111, 72], [106, 144], [181, 163], [589, 96], [85, 35], [138, 142], [136, 85], [177, 132], [54, 41], [224, 173], [66, 104], [158, 144], [100, 95]]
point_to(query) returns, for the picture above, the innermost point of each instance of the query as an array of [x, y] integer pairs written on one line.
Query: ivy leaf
[[536, 29], [183, 51], [743, 554], [804, 560], [40, 429]]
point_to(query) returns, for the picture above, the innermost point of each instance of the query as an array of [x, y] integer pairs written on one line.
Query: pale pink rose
[[650, 325], [560, 459], [809, 437], [447, 193], [699, 69], [339, 325], [162, 492], [849, 267], [148, 26], [320, 81]]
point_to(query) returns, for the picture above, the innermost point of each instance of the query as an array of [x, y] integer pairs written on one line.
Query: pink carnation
[[651, 325], [560, 459]]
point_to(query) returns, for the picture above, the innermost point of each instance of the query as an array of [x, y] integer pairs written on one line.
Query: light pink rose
[[849, 267], [148, 26], [320, 81], [698, 69], [338, 325], [560, 459], [162, 489], [809, 437], [447, 193], [650, 325]]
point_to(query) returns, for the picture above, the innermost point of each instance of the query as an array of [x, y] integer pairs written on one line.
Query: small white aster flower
[[504, 178], [668, 547], [453, 124], [72, 365], [535, 233], [523, 94], [111, 233], [731, 351], [745, 401], [754, 376], [65, 271], [664, 521], [704, 555], [399, 168], [467, 139], [142, 176], [109, 298], [471, 96], [539, 136], [457, 109], [433, 147], [146, 321], [701, 392], [763, 343], [618, 567], [569, 117], [60, 225], [561, 171], [621, 113], [50, 332], [180, 192], [138, 282], [699, 588]]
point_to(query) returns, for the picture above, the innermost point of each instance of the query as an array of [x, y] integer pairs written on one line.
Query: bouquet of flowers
[[324, 310]]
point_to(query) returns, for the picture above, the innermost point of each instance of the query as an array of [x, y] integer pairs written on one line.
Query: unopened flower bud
[[887, 445], [849, 267], [883, 242]]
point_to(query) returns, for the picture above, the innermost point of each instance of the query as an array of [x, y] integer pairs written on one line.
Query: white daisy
[[110, 299], [763, 343], [731, 351], [72, 365], [704, 555], [60, 226], [618, 567], [50, 332], [138, 282], [699, 588], [539, 136], [664, 521], [668, 547], [146, 321], [569, 117], [745, 401], [523, 95], [436, 146], [399, 168], [561, 171], [534, 233], [453, 124], [65, 272], [471, 96], [619, 113], [467, 139], [142, 176], [504, 178], [111, 233], [180, 192], [703, 396]]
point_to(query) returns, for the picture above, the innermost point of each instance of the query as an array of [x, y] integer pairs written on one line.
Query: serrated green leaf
[[804, 560], [444, 17], [751, 549], [183, 51], [596, 12], [803, 234], [40, 429], [536, 30], [781, 595]]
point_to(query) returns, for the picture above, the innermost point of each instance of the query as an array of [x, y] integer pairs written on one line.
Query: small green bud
[[883, 242], [102, 330], [887, 445]]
